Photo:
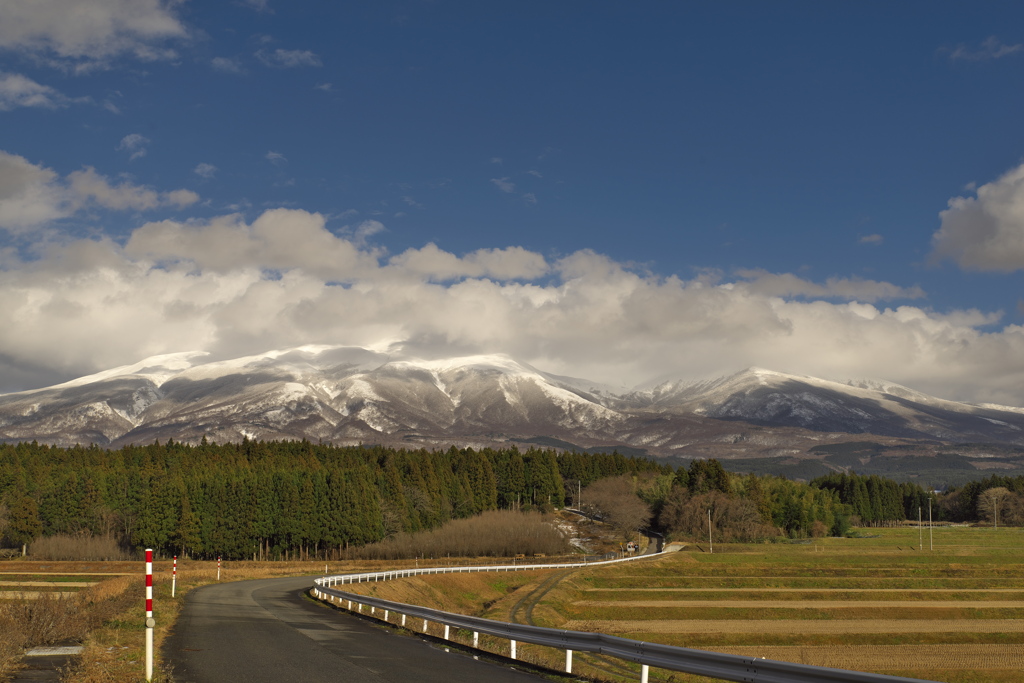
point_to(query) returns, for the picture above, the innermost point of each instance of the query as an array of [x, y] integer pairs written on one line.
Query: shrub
[[498, 533], [65, 547]]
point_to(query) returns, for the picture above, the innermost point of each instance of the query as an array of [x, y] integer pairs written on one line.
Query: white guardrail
[[711, 664]]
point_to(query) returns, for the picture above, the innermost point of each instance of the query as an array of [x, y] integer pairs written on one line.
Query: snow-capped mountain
[[764, 397], [349, 395]]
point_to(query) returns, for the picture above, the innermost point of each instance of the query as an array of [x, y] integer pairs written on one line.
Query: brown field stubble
[[949, 615]]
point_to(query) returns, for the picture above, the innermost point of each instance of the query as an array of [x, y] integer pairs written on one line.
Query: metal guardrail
[[704, 663], [405, 573]]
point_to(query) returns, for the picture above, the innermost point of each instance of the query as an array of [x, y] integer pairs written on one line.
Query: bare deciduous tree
[[615, 500], [991, 504], [732, 519]]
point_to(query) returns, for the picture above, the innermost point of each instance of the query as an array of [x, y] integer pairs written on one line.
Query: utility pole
[[710, 544], [920, 531]]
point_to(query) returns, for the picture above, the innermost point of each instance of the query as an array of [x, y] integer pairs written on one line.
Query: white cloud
[[205, 170], [135, 144], [259, 5], [288, 58], [985, 232], [87, 33], [276, 158], [232, 286], [504, 184], [326, 87], [20, 91], [852, 289], [30, 195], [872, 239], [529, 198], [280, 239], [88, 185], [33, 196], [227, 65], [433, 264], [365, 230], [990, 48]]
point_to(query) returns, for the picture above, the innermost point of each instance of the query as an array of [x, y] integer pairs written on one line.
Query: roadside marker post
[[218, 567], [174, 575], [150, 623]]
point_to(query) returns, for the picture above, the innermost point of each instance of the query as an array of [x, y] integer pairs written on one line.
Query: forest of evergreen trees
[[276, 499], [271, 500]]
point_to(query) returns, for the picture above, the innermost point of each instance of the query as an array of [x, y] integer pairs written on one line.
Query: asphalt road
[[266, 631]]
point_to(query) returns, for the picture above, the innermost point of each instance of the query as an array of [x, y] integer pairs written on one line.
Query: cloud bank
[[234, 287]]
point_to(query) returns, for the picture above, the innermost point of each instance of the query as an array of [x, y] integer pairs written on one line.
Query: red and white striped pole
[[218, 567], [174, 575], [150, 623]]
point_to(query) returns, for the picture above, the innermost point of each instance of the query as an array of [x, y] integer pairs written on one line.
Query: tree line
[[746, 507], [297, 499], [996, 499], [274, 500]]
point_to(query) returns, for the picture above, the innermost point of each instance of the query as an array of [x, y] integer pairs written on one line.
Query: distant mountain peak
[[356, 395]]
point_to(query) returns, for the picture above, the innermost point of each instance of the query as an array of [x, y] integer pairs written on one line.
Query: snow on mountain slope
[[352, 395], [773, 398]]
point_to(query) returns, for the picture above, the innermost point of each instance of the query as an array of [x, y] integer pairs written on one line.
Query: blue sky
[[618, 191]]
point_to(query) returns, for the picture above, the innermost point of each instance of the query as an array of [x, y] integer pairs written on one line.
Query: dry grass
[[78, 548], [52, 617], [498, 533]]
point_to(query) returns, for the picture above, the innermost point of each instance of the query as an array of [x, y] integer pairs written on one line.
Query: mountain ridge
[[357, 395]]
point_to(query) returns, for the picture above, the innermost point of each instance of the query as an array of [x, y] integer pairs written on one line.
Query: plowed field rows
[[951, 614], [799, 626], [896, 657]]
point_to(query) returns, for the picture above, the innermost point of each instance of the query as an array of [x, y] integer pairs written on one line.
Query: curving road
[[266, 631]]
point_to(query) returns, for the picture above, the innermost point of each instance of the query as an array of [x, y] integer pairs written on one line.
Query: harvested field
[[901, 591], [798, 626], [815, 604], [895, 657], [952, 614]]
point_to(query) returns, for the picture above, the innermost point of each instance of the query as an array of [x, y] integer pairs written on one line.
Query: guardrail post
[[513, 655], [349, 605], [446, 632], [568, 661], [424, 625], [476, 639], [385, 615], [360, 608], [373, 610], [644, 672], [403, 621]]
